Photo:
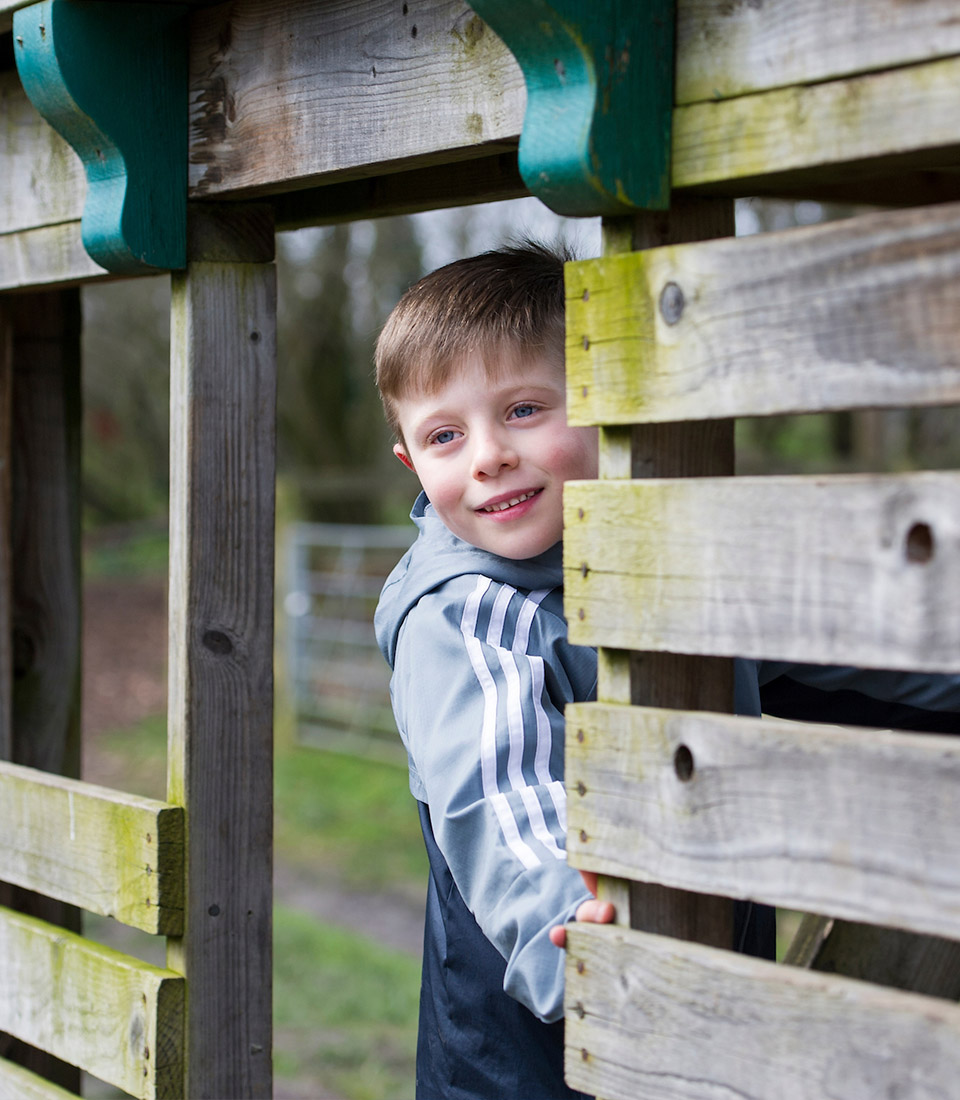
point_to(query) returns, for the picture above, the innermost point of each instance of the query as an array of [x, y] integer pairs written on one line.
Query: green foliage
[[126, 386], [336, 286]]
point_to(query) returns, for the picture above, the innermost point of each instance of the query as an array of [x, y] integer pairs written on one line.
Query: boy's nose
[[493, 452]]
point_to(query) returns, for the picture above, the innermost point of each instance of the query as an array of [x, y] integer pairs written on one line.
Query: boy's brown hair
[[506, 301]]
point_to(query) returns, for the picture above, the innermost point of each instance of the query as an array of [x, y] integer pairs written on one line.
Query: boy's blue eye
[[524, 410], [443, 437]]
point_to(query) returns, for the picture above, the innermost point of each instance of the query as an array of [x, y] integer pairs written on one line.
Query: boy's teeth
[[508, 503]]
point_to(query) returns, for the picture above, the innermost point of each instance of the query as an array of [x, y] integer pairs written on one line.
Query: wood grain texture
[[817, 818], [854, 569], [284, 93], [6, 562], [46, 258], [761, 143], [111, 853], [483, 179], [17, 1083], [42, 182], [726, 50], [862, 312], [649, 1018], [221, 663], [117, 1017]]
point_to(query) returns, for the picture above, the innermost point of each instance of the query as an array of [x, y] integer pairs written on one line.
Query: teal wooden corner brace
[[599, 76], [111, 78]]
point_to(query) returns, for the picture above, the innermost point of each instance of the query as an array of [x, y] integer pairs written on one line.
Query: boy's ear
[[402, 455]]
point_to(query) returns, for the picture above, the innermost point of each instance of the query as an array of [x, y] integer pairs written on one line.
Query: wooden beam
[[17, 1083], [861, 312], [116, 1017], [650, 1017], [286, 94], [855, 569], [804, 134], [48, 257], [220, 755], [727, 50], [111, 853], [486, 179], [817, 818]]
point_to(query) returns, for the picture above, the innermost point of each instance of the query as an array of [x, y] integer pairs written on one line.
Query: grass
[[345, 1009]]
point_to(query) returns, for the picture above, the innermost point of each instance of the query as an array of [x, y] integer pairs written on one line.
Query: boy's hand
[[590, 911]]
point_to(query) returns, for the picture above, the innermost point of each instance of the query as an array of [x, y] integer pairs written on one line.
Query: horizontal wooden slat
[[47, 257], [725, 50], [650, 1017], [861, 312], [846, 822], [17, 1083], [112, 853], [285, 92], [114, 1016], [853, 569], [780, 139]]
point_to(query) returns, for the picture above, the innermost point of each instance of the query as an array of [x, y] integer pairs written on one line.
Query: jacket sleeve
[[480, 681], [924, 702]]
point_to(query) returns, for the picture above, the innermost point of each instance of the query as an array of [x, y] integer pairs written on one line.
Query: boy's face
[[492, 455]]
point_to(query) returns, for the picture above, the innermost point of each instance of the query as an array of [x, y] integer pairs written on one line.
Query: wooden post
[[666, 679], [220, 757], [40, 569]]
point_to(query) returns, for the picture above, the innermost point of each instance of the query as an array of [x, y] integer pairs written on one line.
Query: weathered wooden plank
[[726, 50], [805, 133], [42, 182], [816, 818], [48, 256], [17, 1083], [484, 179], [862, 312], [650, 1017], [6, 564], [854, 569], [284, 93], [111, 853], [117, 1017], [221, 661]]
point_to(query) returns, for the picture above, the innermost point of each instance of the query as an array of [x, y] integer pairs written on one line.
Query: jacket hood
[[438, 556]]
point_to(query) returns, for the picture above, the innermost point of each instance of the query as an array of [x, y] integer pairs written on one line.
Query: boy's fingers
[[596, 912], [558, 936]]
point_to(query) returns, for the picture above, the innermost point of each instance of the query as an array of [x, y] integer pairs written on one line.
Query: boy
[[471, 372]]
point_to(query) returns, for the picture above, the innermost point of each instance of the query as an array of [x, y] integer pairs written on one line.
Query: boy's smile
[[492, 454]]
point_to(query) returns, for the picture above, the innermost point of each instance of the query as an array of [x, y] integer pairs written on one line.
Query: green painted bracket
[[599, 76], [111, 78]]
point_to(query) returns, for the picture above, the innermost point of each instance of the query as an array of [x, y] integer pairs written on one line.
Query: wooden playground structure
[[146, 137]]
